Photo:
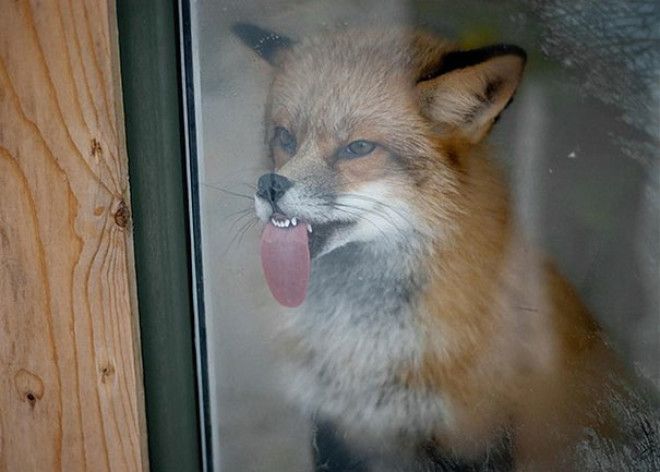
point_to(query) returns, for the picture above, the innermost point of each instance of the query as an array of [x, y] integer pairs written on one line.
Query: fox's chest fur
[[355, 333]]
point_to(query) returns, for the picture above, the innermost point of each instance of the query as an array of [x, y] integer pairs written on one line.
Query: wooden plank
[[70, 372]]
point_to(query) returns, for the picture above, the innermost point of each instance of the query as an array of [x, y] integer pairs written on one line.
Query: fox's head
[[367, 132]]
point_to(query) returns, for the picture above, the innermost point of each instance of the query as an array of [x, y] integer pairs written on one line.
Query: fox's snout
[[271, 187]]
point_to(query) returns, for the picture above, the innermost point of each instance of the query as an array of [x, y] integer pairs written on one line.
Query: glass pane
[[440, 310]]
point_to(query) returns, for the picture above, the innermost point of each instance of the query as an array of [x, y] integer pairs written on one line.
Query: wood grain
[[70, 371]]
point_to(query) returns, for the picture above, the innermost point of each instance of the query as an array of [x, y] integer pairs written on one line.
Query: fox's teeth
[[287, 222], [309, 227]]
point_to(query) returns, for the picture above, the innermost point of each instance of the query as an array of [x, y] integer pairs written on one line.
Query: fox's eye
[[357, 149], [285, 140]]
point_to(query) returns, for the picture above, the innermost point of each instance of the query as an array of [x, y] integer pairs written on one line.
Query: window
[[578, 146]]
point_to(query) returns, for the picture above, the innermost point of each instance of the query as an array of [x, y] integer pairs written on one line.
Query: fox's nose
[[272, 186]]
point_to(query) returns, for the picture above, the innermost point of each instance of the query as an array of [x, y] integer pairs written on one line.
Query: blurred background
[[579, 143]]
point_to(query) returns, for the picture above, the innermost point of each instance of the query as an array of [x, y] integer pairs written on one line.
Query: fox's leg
[[331, 453], [498, 458]]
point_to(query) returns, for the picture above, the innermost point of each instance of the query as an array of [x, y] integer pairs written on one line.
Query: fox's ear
[[267, 44], [466, 93]]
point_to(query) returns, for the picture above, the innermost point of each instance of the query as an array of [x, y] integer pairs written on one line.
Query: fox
[[419, 321]]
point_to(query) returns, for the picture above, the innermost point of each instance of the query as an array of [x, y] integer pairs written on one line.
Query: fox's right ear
[[267, 44], [466, 93]]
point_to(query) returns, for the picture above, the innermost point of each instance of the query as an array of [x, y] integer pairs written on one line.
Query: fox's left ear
[[466, 93], [267, 44]]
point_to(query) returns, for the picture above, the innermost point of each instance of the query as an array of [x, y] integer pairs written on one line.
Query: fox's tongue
[[286, 262]]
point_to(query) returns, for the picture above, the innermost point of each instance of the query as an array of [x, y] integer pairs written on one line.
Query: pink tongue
[[286, 263]]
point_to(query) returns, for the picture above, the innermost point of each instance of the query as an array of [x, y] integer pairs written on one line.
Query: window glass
[[578, 149]]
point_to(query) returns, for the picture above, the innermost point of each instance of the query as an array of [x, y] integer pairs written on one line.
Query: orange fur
[[508, 341]]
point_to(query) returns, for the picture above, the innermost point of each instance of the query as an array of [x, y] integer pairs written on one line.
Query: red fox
[[419, 321]]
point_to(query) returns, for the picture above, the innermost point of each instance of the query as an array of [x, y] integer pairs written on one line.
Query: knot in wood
[[107, 372], [122, 214], [29, 386], [96, 149]]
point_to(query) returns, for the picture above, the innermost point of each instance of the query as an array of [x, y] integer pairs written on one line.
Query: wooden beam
[[70, 370]]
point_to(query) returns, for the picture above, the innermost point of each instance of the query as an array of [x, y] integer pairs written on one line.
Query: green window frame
[[150, 40]]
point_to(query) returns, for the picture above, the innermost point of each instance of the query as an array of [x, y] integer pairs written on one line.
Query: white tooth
[[294, 221], [309, 227], [272, 220], [286, 223]]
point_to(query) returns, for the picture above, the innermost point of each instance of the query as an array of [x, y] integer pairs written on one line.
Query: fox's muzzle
[[271, 187]]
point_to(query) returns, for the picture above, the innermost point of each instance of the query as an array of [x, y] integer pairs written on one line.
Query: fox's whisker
[[239, 218], [382, 215], [328, 197], [228, 192], [362, 217], [380, 210], [246, 229], [238, 234], [250, 186], [359, 196], [239, 212]]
